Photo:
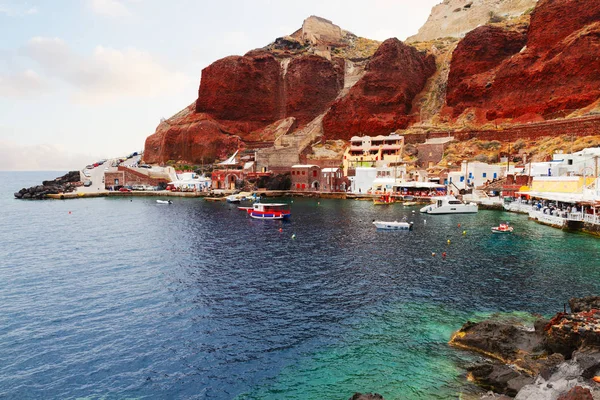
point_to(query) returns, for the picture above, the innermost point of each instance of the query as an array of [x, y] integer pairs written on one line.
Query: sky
[[82, 80]]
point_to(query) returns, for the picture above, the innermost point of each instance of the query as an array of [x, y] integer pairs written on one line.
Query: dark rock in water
[[577, 393], [499, 377], [63, 184], [498, 339], [584, 303], [367, 396]]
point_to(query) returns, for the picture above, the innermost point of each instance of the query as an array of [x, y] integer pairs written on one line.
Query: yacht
[[449, 205]]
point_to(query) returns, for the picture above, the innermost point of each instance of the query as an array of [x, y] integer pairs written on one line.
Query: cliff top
[[455, 18]]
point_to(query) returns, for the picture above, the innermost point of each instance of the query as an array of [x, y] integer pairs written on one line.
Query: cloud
[[41, 157], [22, 84], [109, 8], [107, 74], [17, 10]]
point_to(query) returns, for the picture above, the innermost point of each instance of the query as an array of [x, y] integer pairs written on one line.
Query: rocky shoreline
[[63, 184], [553, 359]]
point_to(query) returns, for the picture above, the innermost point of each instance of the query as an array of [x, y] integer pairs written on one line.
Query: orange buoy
[[432, 254], [459, 225], [596, 379], [444, 254], [280, 230]]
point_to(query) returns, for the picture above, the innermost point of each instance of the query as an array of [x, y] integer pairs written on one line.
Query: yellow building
[[560, 184]]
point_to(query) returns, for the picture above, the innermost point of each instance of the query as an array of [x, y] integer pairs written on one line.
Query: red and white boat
[[502, 228], [269, 211]]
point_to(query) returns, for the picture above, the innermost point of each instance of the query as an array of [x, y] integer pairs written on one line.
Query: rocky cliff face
[[455, 18], [542, 65], [381, 101], [555, 73]]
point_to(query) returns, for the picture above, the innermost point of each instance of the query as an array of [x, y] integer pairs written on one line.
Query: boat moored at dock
[[449, 205]]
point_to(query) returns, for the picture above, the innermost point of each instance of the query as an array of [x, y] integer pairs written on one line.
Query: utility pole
[[529, 178]]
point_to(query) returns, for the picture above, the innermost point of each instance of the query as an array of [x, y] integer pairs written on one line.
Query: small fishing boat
[[384, 199], [164, 201], [269, 211], [502, 228]]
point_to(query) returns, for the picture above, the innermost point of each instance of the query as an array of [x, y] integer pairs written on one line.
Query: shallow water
[[127, 298]]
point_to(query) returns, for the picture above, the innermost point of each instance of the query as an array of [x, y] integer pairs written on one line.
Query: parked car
[[144, 166], [86, 173], [124, 189], [89, 167], [87, 183], [138, 187]]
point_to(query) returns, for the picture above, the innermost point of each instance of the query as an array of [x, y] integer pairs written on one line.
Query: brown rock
[[556, 72], [381, 100], [584, 303], [366, 396], [577, 393]]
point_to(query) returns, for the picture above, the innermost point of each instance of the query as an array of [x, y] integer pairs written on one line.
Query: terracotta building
[[125, 176], [306, 178], [432, 151], [332, 180]]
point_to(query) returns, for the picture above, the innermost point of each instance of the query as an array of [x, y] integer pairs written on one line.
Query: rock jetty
[[555, 359], [63, 184]]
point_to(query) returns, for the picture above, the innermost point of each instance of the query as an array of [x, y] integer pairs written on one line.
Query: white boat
[[164, 201], [269, 211], [394, 225], [449, 205], [239, 197]]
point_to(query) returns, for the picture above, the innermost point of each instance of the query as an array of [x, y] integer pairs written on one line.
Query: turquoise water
[[125, 298]]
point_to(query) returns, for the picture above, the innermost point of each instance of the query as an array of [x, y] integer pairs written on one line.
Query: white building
[[473, 174], [363, 179], [191, 181]]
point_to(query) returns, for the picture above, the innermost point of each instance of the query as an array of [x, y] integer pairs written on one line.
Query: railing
[[547, 218]]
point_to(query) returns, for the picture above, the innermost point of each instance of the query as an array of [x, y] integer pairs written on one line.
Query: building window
[[304, 186], [303, 172], [462, 178], [495, 175], [484, 174], [570, 162], [315, 173], [297, 186]]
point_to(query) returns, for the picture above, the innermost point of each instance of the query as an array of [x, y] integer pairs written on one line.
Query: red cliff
[[554, 74], [381, 101]]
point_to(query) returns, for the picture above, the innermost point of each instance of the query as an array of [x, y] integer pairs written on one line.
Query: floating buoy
[[448, 241], [69, 212], [444, 254], [424, 222], [293, 236], [464, 232], [432, 254], [413, 211], [280, 230], [318, 203], [459, 225]]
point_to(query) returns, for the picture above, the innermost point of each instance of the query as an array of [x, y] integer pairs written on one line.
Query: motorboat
[[164, 201], [269, 211], [394, 225], [502, 228], [449, 205], [239, 197]]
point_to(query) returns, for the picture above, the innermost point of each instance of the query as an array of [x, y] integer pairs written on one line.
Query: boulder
[[584, 303], [499, 377], [577, 393], [566, 333], [366, 396]]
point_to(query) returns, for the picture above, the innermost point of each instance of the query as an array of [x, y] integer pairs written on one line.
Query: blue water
[[125, 298]]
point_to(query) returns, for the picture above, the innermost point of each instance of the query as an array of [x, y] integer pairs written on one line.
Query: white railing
[[547, 219]]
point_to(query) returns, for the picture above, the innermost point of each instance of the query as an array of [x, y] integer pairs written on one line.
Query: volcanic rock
[[577, 393], [584, 303], [555, 73], [366, 396], [566, 333], [381, 100], [499, 377], [63, 184]]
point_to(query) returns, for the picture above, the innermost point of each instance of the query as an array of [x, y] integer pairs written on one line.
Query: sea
[[125, 298]]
